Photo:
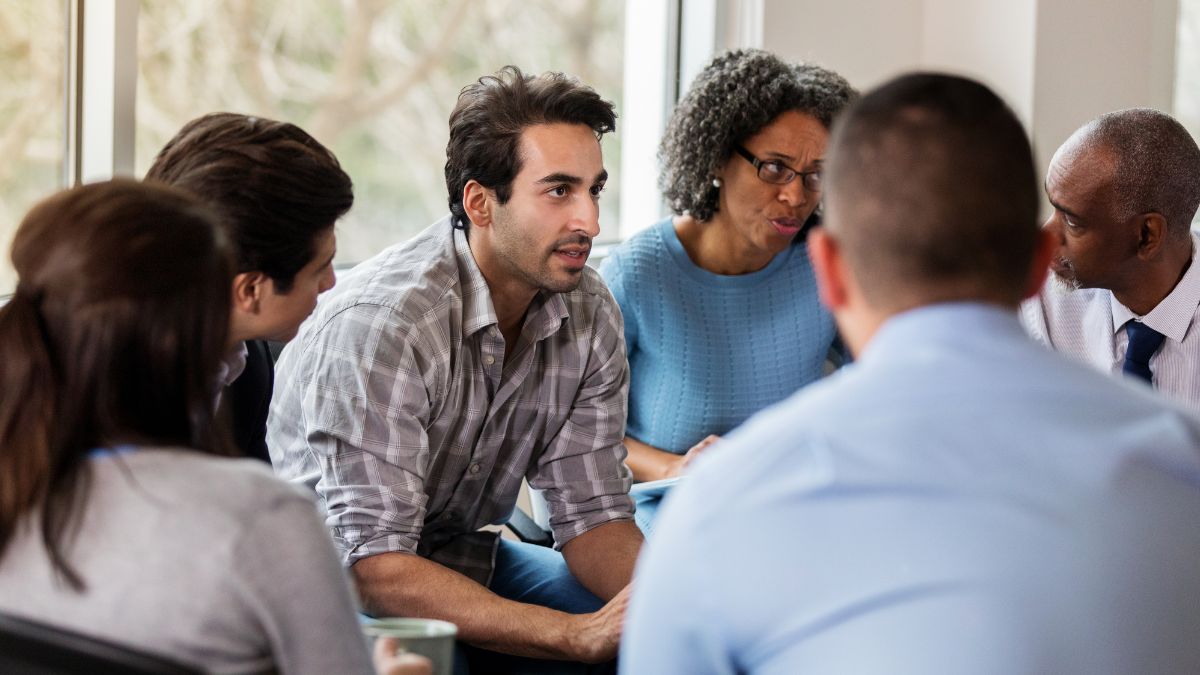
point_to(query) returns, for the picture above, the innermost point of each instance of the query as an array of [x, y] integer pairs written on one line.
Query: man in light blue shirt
[[960, 500]]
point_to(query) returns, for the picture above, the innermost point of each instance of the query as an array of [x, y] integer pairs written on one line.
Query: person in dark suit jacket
[[278, 193]]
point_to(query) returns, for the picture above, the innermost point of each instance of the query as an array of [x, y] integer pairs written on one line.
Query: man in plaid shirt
[[441, 372]]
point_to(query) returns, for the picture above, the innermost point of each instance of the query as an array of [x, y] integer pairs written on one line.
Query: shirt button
[[474, 468], [489, 359]]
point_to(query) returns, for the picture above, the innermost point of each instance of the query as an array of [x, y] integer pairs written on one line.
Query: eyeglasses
[[779, 173]]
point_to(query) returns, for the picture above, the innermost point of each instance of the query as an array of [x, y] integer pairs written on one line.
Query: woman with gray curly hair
[[720, 304]]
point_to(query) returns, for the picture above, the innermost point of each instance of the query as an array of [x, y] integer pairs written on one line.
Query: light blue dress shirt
[[961, 500]]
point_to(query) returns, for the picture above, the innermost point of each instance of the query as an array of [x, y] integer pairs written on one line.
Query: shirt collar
[[232, 365], [1173, 316], [546, 313], [478, 312], [932, 327]]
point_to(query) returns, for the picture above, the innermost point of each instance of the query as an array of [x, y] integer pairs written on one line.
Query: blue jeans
[[534, 575]]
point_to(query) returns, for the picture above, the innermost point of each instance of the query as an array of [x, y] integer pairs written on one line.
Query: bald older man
[[1124, 295]]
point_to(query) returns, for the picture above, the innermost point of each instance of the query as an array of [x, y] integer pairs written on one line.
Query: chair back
[[33, 648]]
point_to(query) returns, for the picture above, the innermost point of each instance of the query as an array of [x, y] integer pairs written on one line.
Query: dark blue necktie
[[1143, 342]]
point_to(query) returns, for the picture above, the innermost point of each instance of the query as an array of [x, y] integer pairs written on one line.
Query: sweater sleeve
[[289, 574]]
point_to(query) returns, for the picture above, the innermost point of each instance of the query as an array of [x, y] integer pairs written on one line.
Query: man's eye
[[597, 189], [559, 191]]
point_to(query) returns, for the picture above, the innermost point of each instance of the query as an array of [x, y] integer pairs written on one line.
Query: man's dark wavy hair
[[491, 114], [274, 187]]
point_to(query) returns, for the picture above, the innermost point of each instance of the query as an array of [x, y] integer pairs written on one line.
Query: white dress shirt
[[1089, 325]]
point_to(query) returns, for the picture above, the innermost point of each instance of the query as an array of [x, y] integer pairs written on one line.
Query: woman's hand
[[688, 457], [650, 463], [388, 662]]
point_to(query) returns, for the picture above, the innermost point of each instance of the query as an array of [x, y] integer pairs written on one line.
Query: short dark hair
[[274, 187], [736, 95], [117, 326], [491, 114], [1157, 164], [931, 190]]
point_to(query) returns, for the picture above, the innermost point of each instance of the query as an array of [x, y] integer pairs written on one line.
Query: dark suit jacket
[[248, 399]]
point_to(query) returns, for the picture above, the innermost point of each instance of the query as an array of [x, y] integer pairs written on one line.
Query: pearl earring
[[716, 182]]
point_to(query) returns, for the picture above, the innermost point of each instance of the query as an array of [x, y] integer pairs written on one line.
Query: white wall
[[867, 41], [990, 41], [1095, 56], [1059, 63]]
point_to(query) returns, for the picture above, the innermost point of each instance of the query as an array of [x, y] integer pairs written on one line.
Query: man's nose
[[586, 219]]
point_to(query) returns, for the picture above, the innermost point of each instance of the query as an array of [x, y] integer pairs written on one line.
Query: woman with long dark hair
[[117, 517]]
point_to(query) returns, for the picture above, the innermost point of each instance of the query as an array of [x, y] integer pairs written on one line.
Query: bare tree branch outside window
[[373, 79], [32, 113]]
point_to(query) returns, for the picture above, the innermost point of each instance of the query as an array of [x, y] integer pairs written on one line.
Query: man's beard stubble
[[1061, 283]]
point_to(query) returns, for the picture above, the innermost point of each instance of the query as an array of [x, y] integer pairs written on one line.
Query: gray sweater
[[209, 561]]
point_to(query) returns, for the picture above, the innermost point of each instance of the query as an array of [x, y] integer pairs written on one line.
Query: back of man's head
[[932, 194], [1157, 164], [274, 187], [491, 113]]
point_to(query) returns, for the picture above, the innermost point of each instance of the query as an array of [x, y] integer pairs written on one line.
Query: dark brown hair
[[491, 114], [274, 187], [113, 336], [932, 191]]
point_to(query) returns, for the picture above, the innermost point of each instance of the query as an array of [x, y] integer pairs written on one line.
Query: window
[[1187, 70], [33, 59], [373, 80]]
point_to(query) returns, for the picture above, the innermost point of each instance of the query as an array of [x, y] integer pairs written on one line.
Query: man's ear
[[1152, 233], [1039, 267], [829, 268], [478, 202], [248, 290]]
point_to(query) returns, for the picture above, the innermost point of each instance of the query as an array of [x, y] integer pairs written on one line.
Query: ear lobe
[[248, 289], [1039, 267], [828, 268], [477, 202]]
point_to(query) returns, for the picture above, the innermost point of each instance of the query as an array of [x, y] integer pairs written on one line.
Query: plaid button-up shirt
[[396, 404]]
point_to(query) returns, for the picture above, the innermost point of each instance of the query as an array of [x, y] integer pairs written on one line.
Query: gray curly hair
[[732, 99], [1158, 164]]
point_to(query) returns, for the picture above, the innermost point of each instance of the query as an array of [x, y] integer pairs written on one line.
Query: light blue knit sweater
[[706, 351]]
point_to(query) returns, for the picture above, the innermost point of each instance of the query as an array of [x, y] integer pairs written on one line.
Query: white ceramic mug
[[430, 638]]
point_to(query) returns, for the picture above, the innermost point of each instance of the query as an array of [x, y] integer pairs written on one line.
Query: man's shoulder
[[1056, 315], [228, 487], [591, 287], [1058, 303], [774, 443], [408, 279]]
